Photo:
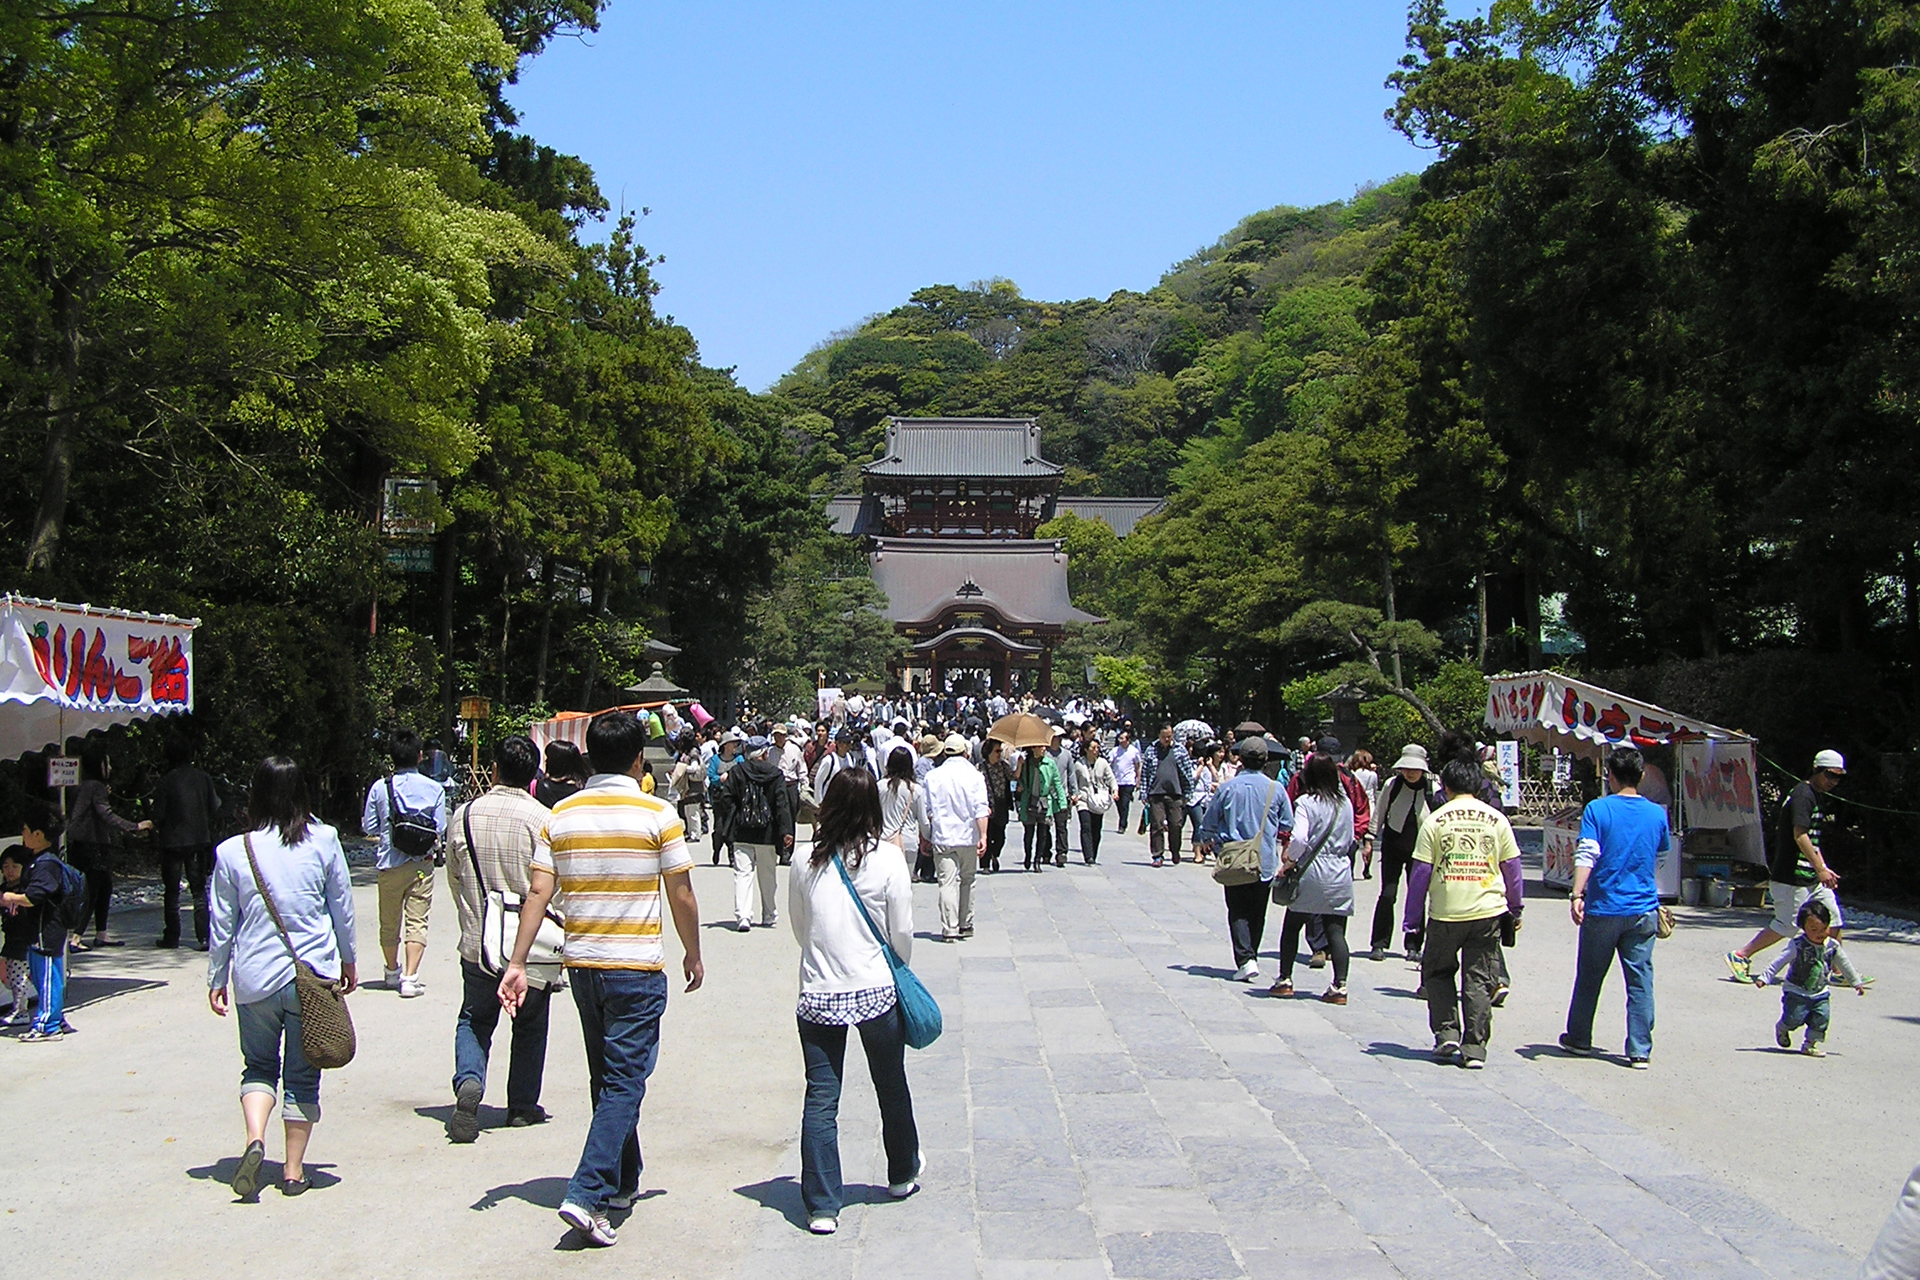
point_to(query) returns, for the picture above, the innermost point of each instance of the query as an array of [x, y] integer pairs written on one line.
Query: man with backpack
[[56, 893], [407, 813], [762, 829]]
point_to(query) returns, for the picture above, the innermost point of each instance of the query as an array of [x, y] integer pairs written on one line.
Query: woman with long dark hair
[[250, 962], [999, 777], [903, 805], [1323, 832], [90, 838], [854, 885]]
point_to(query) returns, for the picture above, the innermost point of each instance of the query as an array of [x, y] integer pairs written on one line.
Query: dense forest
[[1623, 379]]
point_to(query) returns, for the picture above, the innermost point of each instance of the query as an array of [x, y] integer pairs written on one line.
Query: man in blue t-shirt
[[1616, 905]]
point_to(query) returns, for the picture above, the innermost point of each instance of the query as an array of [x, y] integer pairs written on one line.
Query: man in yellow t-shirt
[[1464, 878]]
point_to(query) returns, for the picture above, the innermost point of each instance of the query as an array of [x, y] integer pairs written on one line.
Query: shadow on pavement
[[782, 1194], [1406, 1053], [84, 990], [547, 1193], [271, 1174], [1202, 970], [490, 1117]]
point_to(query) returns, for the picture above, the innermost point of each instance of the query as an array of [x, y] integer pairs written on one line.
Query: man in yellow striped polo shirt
[[612, 851]]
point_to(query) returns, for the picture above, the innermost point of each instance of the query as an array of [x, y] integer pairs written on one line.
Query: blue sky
[[809, 165]]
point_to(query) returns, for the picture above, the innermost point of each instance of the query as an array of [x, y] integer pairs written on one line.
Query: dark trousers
[[473, 1036], [195, 862], [1060, 837], [1393, 866], [825, 1051], [1166, 814], [1459, 966], [996, 838], [1247, 918], [1090, 835], [96, 862], [620, 1022], [1037, 840], [1124, 802], [1336, 930]]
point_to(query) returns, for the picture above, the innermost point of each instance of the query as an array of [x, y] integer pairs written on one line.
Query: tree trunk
[[1393, 616], [56, 469], [506, 619], [449, 575], [602, 584], [1480, 645], [1530, 607], [546, 630]]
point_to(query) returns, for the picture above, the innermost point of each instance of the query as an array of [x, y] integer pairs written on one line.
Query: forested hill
[[1232, 343]]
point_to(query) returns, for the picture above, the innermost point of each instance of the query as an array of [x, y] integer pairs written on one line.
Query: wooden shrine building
[[950, 510]]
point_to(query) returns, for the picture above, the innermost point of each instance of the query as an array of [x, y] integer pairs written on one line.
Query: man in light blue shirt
[[406, 873], [1247, 804]]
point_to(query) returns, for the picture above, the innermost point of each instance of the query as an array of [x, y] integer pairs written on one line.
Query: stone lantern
[[1343, 707]]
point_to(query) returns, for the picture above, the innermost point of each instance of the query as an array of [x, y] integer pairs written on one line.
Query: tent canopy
[[68, 670], [1544, 706]]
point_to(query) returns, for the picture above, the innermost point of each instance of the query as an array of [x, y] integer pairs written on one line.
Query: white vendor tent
[[69, 670], [1718, 786]]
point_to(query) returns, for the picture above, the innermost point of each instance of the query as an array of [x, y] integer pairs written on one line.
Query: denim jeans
[[825, 1050], [473, 1036], [620, 1013], [1601, 939], [1815, 1013], [49, 974], [264, 1024]]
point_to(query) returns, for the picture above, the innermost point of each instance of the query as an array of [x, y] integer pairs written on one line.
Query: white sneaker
[[901, 1190], [743, 926], [411, 986], [823, 1226], [769, 922], [591, 1223], [1247, 972]]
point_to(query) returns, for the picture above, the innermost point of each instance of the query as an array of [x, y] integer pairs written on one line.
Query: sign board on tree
[[409, 507], [476, 708], [411, 557], [63, 771]]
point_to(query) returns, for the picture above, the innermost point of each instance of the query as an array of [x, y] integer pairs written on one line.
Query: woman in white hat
[[1411, 794]]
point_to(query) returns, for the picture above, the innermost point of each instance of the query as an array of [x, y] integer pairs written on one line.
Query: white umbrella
[[1187, 730]]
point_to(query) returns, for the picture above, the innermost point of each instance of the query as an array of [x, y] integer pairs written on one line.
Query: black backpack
[[411, 830], [753, 811], [73, 910]]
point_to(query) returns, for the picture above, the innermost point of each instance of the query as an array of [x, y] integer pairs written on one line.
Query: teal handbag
[[918, 1008]]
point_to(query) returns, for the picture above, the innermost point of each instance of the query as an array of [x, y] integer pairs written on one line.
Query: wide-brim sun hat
[[1412, 756]]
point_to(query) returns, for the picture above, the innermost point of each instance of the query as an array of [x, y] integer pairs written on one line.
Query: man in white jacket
[[957, 809]]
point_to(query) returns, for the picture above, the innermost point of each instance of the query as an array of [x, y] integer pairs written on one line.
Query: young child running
[[1802, 971]]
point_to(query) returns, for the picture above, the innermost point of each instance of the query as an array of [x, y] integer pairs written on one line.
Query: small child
[[1802, 972]]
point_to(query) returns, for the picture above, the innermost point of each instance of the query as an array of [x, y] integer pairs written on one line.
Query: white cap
[[1831, 761]]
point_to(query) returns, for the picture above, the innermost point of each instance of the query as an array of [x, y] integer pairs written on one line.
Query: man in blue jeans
[[491, 845], [615, 852], [1616, 904]]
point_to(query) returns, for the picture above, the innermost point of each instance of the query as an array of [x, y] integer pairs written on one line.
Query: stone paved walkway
[[1103, 1104]]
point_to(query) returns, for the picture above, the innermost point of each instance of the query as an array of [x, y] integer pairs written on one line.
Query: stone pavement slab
[[1129, 1113]]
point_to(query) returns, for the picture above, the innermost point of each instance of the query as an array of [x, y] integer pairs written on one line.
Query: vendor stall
[[1716, 790], [69, 670]]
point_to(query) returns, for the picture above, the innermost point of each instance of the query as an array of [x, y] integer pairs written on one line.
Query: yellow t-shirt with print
[[1465, 841]]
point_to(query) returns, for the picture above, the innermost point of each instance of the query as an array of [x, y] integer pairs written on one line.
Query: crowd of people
[[564, 872]]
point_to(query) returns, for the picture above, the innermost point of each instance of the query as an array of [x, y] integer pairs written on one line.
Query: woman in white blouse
[[854, 887]]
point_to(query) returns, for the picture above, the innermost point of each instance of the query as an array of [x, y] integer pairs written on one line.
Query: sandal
[[1281, 988]]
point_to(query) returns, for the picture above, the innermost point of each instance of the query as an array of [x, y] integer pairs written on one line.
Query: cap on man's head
[[1252, 748], [1831, 761], [756, 743], [844, 735], [780, 731], [1328, 746], [956, 745]]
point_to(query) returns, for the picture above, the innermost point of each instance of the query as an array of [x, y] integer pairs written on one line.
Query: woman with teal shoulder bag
[[851, 905]]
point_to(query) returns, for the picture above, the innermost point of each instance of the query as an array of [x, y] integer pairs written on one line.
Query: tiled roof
[[1120, 514], [1022, 582], [853, 513], [998, 447]]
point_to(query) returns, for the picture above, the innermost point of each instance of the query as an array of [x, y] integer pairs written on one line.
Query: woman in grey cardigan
[[250, 965], [1326, 886]]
